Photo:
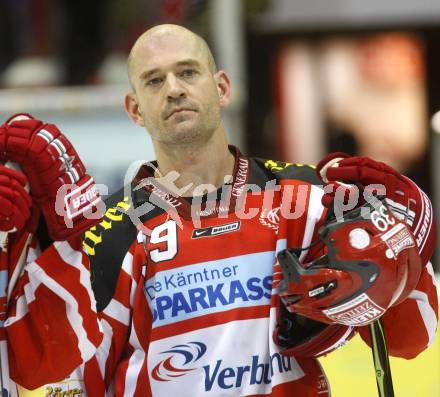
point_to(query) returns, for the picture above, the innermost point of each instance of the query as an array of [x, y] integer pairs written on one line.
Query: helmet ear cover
[[370, 263]]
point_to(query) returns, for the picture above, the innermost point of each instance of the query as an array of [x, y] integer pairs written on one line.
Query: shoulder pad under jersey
[[281, 170], [106, 244]]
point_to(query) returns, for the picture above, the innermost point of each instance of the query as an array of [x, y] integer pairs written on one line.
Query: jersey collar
[[200, 207]]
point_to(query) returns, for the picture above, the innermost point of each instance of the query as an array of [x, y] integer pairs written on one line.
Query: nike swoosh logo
[[200, 233]]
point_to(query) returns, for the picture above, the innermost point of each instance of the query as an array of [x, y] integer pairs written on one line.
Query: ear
[[223, 87], [132, 109]]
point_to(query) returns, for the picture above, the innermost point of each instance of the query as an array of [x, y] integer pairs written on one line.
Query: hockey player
[[176, 289]]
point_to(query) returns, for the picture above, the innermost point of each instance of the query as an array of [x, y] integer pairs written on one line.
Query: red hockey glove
[[403, 196], [15, 201], [58, 181], [300, 336]]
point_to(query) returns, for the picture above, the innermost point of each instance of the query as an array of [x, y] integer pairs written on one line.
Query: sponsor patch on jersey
[[359, 311], [196, 290], [398, 239], [195, 367], [179, 361], [67, 388], [71, 389], [216, 230], [240, 177]]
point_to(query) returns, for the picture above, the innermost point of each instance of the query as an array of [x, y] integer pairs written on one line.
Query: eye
[[154, 81], [188, 73]]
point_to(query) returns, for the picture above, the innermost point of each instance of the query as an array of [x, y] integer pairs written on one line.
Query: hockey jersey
[[169, 296]]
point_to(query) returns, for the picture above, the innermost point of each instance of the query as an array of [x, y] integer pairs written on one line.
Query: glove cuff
[[19, 116], [321, 343], [74, 209], [327, 162]]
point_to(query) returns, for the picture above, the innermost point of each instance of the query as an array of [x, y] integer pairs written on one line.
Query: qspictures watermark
[[290, 200]]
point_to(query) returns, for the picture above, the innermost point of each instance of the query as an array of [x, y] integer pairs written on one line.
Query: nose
[[175, 89]]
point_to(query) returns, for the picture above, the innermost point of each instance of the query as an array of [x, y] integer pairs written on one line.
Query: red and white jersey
[[186, 298], [13, 256]]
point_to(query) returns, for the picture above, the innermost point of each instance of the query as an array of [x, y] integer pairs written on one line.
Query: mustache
[[172, 107]]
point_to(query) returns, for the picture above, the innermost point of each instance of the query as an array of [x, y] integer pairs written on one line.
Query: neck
[[195, 168]]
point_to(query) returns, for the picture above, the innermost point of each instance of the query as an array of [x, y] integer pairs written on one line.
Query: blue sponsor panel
[[210, 287]]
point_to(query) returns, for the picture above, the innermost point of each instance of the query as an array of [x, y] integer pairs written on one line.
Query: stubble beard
[[198, 132]]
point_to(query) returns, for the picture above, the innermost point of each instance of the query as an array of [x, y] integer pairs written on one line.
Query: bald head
[[158, 35]]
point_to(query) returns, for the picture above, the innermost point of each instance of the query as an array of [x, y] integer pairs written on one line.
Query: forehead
[[166, 50]]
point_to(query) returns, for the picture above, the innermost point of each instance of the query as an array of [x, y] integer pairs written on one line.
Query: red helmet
[[371, 262]]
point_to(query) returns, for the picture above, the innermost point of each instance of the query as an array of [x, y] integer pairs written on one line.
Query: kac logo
[[177, 364], [270, 218]]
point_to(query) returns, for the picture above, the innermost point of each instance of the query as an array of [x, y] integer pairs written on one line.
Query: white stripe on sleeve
[[428, 315], [314, 213]]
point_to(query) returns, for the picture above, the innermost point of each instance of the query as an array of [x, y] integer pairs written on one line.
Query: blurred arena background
[[309, 77]]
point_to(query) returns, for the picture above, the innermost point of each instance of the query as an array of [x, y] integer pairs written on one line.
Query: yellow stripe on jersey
[[93, 236], [277, 166]]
